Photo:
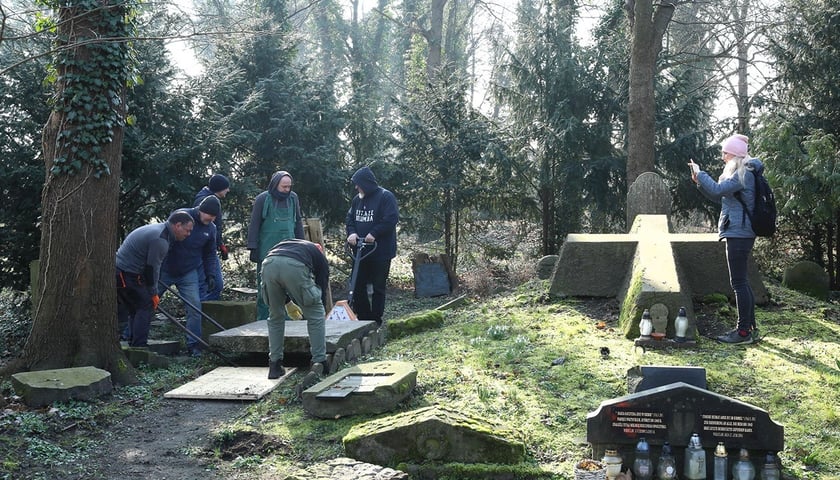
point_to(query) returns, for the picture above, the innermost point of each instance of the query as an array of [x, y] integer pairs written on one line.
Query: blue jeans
[[216, 293], [187, 286], [737, 257]]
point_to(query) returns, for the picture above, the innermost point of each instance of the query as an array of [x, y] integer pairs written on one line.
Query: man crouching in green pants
[[297, 269]]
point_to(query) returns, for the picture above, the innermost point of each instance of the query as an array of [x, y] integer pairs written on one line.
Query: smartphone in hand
[[694, 167]]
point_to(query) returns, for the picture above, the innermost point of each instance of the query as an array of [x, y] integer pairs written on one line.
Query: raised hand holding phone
[[694, 167]]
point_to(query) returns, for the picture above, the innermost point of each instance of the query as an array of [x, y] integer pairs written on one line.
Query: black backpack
[[763, 217]]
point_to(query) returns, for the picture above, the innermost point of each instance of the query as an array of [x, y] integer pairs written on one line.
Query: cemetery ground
[[511, 355]]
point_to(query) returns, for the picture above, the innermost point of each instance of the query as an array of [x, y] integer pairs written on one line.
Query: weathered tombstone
[[431, 280], [433, 275], [435, 434], [44, 387], [809, 278], [367, 388], [647, 195], [648, 265], [545, 266], [646, 377], [227, 313], [673, 412]]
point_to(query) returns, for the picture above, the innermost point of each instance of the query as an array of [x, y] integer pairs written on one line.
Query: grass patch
[[518, 358], [493, 359]]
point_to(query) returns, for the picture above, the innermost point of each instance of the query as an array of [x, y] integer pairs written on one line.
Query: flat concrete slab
[[253, 337], [230, 383]]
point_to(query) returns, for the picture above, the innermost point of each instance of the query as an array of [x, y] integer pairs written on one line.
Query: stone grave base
[[43, 387], [230, 383], [253, 337]]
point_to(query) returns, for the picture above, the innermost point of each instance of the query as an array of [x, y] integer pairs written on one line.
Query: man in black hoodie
[[372, 217]]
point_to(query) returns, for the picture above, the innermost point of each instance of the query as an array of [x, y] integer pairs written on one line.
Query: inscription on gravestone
[[673, 412]]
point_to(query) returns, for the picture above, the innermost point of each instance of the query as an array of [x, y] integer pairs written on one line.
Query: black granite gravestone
[[431, 280], [673, 412], [646, 377]]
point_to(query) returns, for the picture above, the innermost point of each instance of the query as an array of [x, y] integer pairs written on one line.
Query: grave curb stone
[[382, 399], [43, 387]]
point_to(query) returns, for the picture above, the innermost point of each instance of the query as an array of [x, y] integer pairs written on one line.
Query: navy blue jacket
[[197, 250], [219, 221], [376, 213]]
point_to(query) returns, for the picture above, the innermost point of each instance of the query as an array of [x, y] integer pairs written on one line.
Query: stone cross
[[647, 267]]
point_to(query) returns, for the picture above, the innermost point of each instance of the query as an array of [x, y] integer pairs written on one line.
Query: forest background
[[470, 117]]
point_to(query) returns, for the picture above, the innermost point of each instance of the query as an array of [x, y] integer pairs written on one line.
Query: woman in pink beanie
[[734, 226]]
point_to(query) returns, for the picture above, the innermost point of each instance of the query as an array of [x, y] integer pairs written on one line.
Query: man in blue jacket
[[190, 260], [372, 217], [219, 185]]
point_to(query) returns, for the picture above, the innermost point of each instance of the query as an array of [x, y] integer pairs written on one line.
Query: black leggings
[[737, 257]]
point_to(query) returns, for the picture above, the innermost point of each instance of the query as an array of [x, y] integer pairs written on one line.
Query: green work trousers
[[282, 276]]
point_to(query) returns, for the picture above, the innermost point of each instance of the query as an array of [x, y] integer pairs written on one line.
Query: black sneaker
[[275, 369], [735, 337]]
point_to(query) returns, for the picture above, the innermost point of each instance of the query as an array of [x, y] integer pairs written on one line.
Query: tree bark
[[75, 316], [648, 29]]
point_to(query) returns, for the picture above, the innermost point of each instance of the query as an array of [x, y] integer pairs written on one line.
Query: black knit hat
[[218, 182], [210, 205]]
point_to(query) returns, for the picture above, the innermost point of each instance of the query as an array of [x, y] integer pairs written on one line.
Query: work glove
[[255, 255], [223, 252], [155, 302], [211, 282], [294, 312]]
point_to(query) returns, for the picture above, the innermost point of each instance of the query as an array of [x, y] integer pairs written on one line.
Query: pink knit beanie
[[736, 145]]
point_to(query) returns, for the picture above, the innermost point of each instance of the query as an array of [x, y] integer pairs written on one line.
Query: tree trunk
[[648, 29], [434, 37], [743, 82], [75, 316]]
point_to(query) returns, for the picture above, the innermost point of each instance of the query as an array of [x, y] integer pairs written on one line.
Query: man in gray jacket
[[138, 270]]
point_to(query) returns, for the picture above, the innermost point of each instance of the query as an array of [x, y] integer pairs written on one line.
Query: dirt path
[[162, 444]]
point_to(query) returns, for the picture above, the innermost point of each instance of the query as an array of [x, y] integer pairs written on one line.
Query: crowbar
[[194, 336]]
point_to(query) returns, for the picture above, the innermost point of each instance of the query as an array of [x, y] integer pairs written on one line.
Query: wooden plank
[[230, 383]]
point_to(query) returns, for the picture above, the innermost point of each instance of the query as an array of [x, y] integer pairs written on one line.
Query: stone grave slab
[[437, 434], [161, 347], [367, 388], [138, 355], [228, 314], [646, 377], [672, 413], [43, 387], [230, 383], [253, 337]]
